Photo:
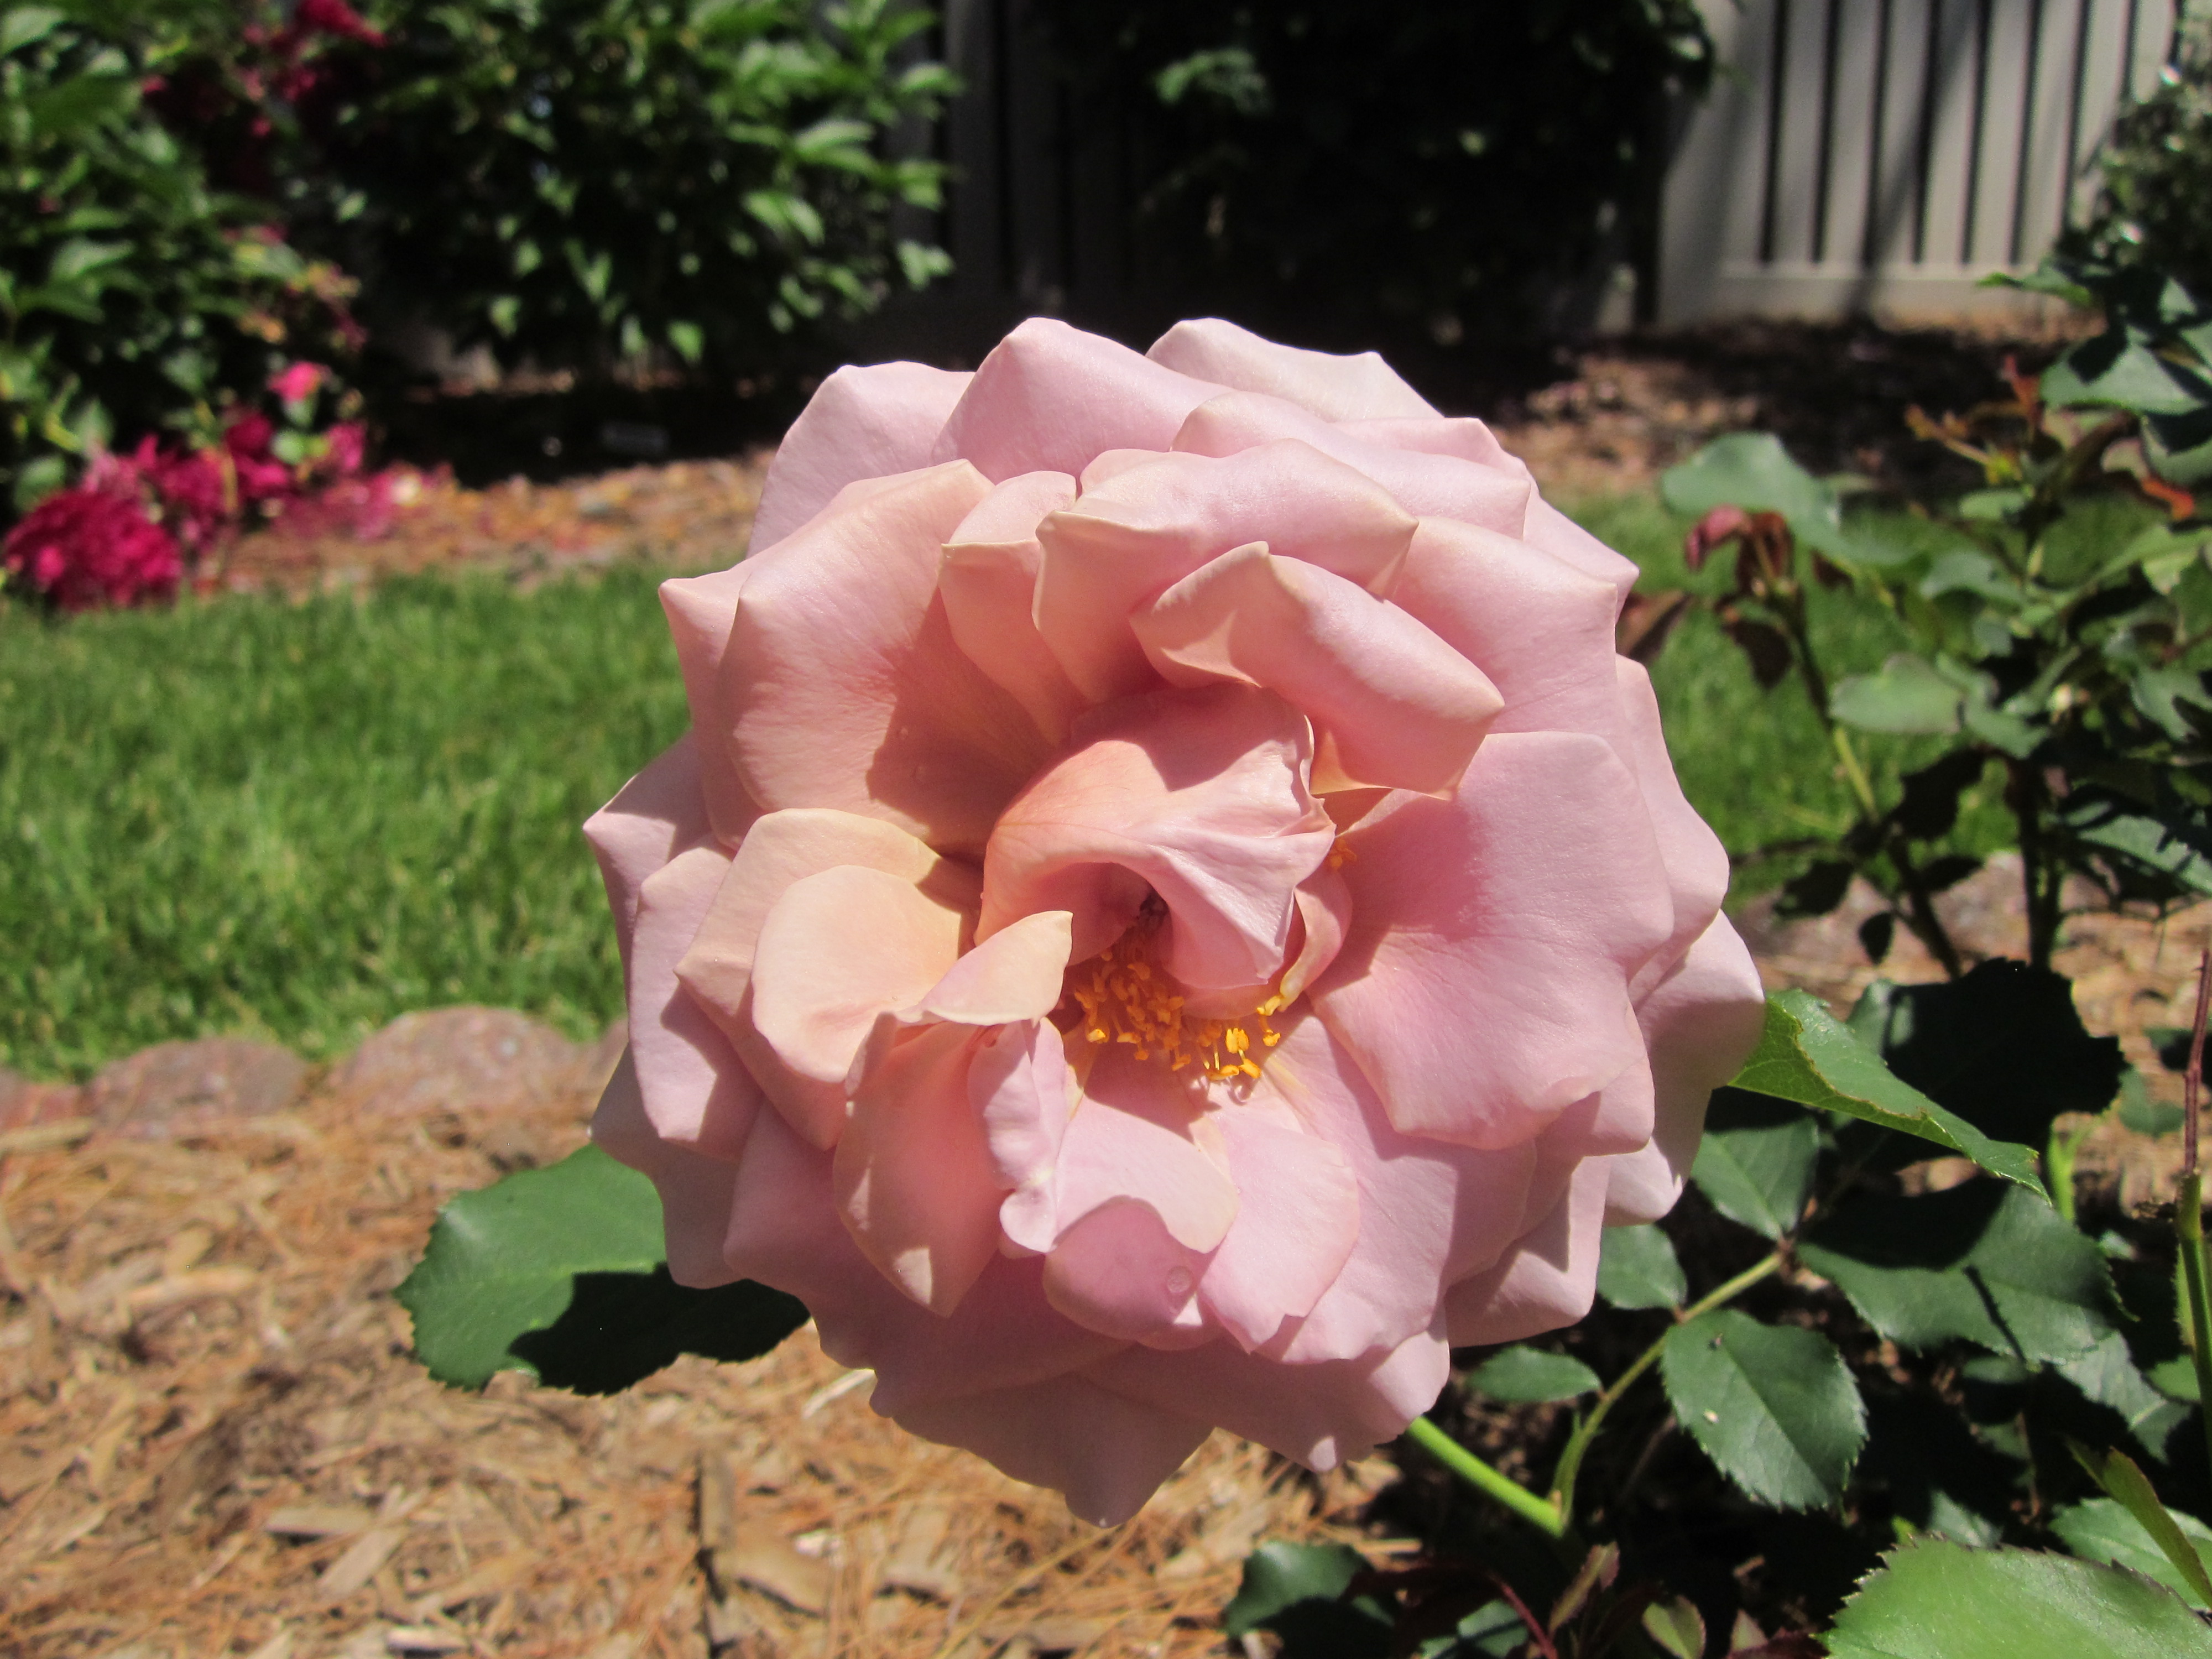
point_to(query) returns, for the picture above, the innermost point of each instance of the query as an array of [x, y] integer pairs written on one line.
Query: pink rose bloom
[[90, 547], [1170, 914], [299, 382]]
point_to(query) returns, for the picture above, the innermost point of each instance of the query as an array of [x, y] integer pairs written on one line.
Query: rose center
[[1125, 995]]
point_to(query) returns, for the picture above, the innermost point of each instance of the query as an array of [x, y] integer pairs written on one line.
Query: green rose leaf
[[1807, 1056], [2122, 374], [1305, 1584], [2124, 1479], [1935, 1600], [1773, 1406], [1752, 471], [1904, 696], [2103, 1530], [1989, 1265], [558, 1272], [1755, 1163], [1636, 1268], [1523, 1376]]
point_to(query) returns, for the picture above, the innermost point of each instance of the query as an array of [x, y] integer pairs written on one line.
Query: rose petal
[[1549, 528], [914, 1180], [1441, 486], [1298, 1221], [837, 951], [1013, 975], [1351, 388], [988, 584], [695, 1090], [1325, 913], [862, 423], [700, 611], [1049, 397], [1484, 988], [1020, 1083], [1696, 863], [843, 684], [695, 1191], [1466, 439], [1107, 1453], [1123, 543], [1119, 1271], [786, 1231], [1132, 1136], [1701, 1023], [1428, 1213], [657, 813], [1198, 796], [1392, 705], [1549, 1279], [1320, 1415]]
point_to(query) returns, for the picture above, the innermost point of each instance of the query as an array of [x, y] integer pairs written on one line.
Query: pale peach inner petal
[[1125, 541], [988, 584], [1198, 797], [838, 950], [1392, 705]]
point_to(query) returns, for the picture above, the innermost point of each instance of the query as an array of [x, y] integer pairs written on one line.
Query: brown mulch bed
[[215, 1439]]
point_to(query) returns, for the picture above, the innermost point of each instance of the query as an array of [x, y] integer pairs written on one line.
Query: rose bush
[[1170, 913]]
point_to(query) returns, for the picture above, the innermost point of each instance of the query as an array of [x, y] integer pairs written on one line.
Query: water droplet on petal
[[1179, 1282]]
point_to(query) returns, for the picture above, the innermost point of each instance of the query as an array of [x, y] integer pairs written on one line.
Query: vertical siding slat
[[1796, 180], [1855, 98], [2042, 195], [973, 235], [1896, 185], [1951, 87], [2102, 70]]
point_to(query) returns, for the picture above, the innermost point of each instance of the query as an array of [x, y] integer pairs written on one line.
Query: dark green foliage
[[1388, 171], [133, 295], [581, 182], [1774, 1407], [2157, 165]]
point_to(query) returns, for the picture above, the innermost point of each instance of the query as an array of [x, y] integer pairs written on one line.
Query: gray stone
[[454, 1060], [174, 1088]]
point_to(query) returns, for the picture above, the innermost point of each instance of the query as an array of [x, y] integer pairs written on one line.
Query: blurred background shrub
[[1396, 172], [2155, 208]]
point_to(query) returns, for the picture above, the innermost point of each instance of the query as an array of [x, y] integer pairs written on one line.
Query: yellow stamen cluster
[[1124, 995]]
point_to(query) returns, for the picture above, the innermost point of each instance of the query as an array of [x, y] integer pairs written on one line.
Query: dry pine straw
[[213, 1440]]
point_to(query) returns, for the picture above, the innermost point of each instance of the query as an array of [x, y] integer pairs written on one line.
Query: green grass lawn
[[301, 821]]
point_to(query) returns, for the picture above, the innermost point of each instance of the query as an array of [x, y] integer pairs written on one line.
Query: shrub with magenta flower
[[92, 546], [1172, 912]]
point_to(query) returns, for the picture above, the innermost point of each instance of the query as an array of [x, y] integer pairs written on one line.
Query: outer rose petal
[[1557, 534], [1196, 795], [1546, 1280], [695, 1092], [1696, 863], [1353, 388], [785, 1231], [1106, 1452], [1484, 986], [1429, 1212], [1442, 486], [1702, 1022], [1392, 705], [1321, 1414], [1297, 1222], [1049, 397], [694, 1191], [1129, 538], [843, 684], [837, 951], [1469, 439], [862, 423], [700, 610], [1134, 1135], [914, 1177], [655, 814], [988, 584], [1119, 1271]]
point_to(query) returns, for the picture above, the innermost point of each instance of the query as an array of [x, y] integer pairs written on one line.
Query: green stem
[[1547, 1518], [1855, 774], [2058, 1161], [2189, 1228], [1570, 1461]]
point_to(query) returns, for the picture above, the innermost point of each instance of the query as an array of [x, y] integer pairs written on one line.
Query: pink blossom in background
[[299, 381], [260, 476], [89, 547], [1170, 914]]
